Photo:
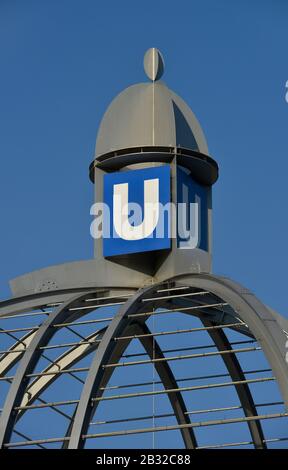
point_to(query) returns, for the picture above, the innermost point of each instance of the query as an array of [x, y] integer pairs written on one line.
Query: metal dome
[[100, 353], [149, 114]]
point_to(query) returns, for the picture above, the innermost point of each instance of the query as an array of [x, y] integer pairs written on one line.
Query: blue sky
[[62, 62]]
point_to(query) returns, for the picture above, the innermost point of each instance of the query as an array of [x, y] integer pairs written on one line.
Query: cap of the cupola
[[149, 115]]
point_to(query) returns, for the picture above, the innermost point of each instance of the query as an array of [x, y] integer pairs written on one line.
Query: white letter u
[[122, 226]]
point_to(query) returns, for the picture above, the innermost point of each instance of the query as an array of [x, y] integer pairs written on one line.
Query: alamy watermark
[[155, 220]]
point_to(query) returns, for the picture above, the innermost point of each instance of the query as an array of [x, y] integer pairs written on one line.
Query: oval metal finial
[[153, 64]]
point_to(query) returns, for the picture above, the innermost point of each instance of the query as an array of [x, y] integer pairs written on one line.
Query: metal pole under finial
[[153, 64]]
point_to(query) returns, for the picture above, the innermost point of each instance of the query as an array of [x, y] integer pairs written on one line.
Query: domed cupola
[[149, 117]]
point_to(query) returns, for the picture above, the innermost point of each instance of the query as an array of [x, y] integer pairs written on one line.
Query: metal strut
[[110, 350], [27, 364], [236, 373]]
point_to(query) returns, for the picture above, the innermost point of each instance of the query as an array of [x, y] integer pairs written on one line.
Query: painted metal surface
[[147, 124], [27, 364], [109, 351], [165, 119], [261, 322]]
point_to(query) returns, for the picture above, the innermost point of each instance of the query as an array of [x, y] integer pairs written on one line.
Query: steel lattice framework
[[221, 308], [204, 360]]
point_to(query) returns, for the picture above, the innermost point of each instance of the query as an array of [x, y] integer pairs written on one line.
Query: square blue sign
[[137, 211]]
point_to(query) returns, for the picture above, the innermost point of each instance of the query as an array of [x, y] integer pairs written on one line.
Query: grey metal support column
[[27, 364], [169, 382], [96, 377], [236, 373]]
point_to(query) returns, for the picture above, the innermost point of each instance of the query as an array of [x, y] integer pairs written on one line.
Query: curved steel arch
[[236, 373], [66, 360], [166, 375], [168, 380], [28, 362], [255, 314], [260, 320], [116, 353], [8, 360], [110, 350], [28, 302], [25, 303]]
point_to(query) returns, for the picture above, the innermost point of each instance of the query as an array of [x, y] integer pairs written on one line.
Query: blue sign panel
[[137, 206], [192, 212]]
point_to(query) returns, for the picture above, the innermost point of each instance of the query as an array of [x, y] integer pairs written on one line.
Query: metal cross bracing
[[83, 365]]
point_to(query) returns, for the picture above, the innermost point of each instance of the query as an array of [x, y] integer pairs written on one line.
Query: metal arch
[[118, 349], [217, 314], [255, 314], [168, 379], [261, 323], [28, 302], [165, 373], [27, 364], [98, 377], [9, 359], [106, 350], [66, 360], [236, 373]]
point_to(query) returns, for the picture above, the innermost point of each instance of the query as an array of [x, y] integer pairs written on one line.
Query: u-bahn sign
[[135, 221], [138, 212]]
